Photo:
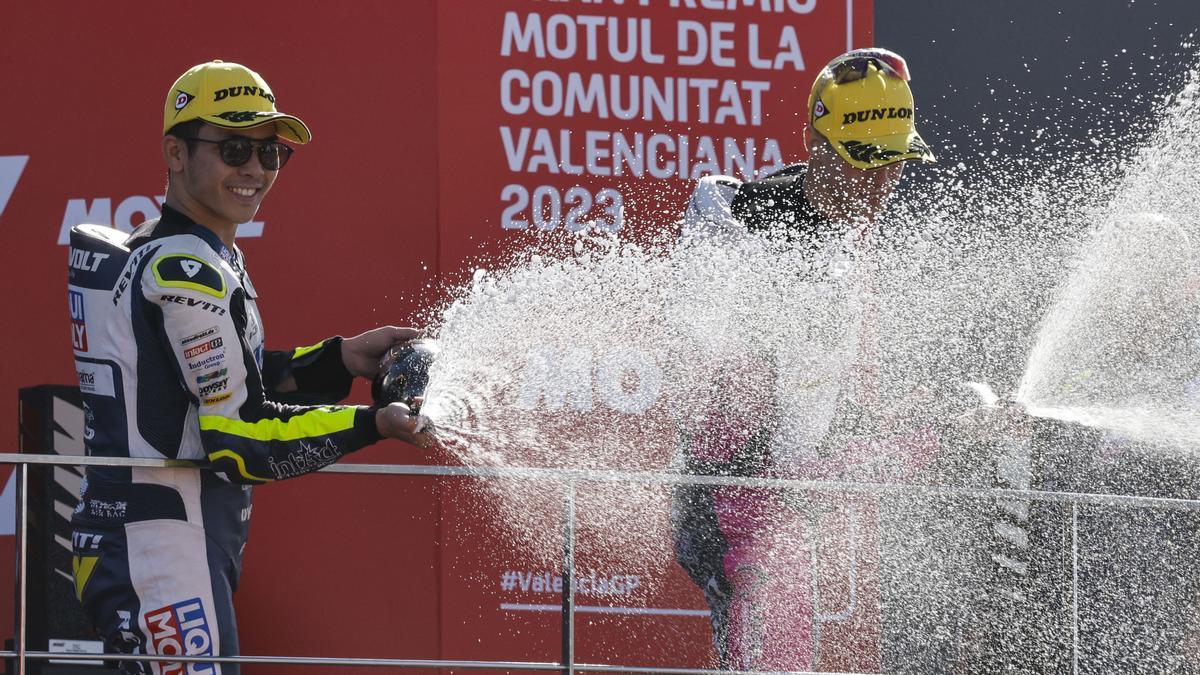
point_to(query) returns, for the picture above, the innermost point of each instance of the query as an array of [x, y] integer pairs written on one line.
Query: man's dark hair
[[187, 131]]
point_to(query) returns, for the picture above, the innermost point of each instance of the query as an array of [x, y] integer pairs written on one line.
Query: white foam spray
[[1045, 278]]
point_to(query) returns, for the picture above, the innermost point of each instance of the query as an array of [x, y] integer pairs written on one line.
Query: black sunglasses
[[236, 151]]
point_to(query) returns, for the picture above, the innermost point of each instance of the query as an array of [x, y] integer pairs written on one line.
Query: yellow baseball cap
[[862, 105], [231, 96]]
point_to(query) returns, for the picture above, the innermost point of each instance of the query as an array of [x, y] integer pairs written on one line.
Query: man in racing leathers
[[747, 548], [169, 351]]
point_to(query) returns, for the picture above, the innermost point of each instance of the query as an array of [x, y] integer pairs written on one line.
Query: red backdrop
[[443, 130]]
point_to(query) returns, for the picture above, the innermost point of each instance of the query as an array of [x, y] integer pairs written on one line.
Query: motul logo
[[123, 214], [11, 168]]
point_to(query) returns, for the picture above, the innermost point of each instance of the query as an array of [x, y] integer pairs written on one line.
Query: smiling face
[[846, 193], [210, 191]]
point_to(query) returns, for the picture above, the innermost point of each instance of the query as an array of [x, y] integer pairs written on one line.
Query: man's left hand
[[361, 353]]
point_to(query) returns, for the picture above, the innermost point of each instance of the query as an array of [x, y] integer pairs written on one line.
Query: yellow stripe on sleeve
[[301, 351], [318, 422]]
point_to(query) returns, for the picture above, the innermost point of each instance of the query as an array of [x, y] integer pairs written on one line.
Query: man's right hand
[[396, 420], [1005, 420], [361, 353]]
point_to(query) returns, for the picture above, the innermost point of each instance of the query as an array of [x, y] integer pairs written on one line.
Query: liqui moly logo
[[78, 324], [181, 630]]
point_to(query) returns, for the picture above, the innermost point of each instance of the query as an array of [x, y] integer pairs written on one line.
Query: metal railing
[[571, 480]]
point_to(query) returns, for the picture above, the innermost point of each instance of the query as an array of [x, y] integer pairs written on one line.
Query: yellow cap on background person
[[862, 105], [231, 96]]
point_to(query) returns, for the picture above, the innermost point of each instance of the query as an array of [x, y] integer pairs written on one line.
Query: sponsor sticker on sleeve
[[211, 375], [192, 352], [214, 387], [208, 361], [95, 378], [213, 400], [193, 339]]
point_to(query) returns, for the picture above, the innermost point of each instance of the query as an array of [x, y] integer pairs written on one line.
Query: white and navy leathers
[[169, 353]]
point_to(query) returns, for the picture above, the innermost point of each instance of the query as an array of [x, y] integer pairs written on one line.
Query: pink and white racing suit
[[751, 549]]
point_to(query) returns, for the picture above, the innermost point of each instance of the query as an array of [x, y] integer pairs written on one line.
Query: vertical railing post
[[22, 517], [1075, 587], [568, 577]]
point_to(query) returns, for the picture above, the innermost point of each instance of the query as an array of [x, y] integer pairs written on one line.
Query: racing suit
[[749, 549], [169, 353]]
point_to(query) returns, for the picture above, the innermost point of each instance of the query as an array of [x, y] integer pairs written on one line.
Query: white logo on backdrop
[[128, 214], [11, 168]]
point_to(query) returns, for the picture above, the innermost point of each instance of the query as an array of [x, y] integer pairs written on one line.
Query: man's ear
[[175, 153]]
